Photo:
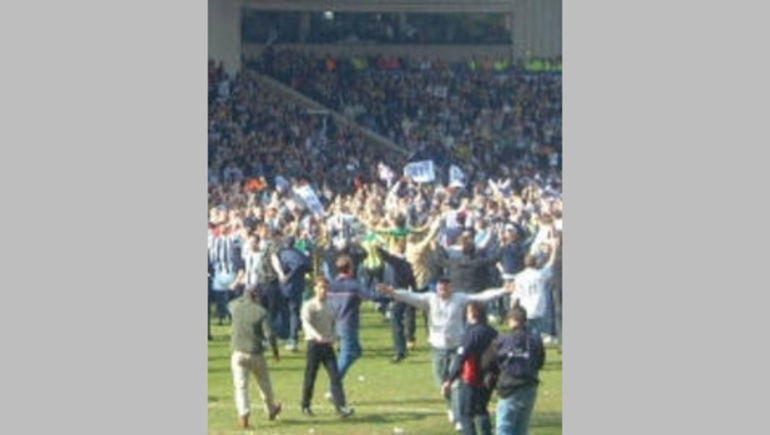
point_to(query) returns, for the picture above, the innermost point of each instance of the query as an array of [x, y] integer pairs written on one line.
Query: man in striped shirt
[[225, 259]]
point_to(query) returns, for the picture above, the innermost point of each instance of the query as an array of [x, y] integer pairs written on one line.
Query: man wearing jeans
[[520, 356], [251, 327], [295, 265], [345, 295], [446, 325]]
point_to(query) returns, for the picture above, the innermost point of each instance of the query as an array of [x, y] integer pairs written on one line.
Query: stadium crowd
[[471, 112], [293, 195], [254, 132]]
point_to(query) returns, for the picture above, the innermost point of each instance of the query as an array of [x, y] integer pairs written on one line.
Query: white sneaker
[[328, 396], [547, 339], [450, 416], [458, 427]]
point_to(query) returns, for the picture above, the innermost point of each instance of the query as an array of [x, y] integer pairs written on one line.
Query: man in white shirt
[[446, 325], [532, 287]]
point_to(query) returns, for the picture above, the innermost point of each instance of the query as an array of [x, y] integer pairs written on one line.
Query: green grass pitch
[[388, 398]]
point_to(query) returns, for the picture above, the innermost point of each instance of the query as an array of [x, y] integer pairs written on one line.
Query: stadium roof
[[389, 6]]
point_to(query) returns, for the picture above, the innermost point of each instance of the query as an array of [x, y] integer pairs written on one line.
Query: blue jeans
[[295, 304], [350, 351], [277, 307], [556, 298], [514, 411], [222, 297], [442, 360], [397, 320]]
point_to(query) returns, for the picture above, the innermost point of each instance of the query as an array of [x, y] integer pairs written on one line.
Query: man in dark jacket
[[345, 295], [295, 265], [474, 395], [519, 357], [398, 273], [512, 252], [467, 271]]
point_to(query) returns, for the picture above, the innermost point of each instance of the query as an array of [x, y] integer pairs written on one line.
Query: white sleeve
[[419, 300], [487, 295]]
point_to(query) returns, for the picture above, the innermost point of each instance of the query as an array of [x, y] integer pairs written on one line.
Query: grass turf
[[388, 398]]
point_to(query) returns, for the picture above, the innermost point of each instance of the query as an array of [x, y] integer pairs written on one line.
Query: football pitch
[[388, 398]]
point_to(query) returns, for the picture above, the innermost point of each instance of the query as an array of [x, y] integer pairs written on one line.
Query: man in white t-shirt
[[532, 287]]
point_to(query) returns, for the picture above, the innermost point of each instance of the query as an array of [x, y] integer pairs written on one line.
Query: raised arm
[[434, 229], [551, 254]]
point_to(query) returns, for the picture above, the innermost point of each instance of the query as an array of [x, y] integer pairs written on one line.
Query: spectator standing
[[519, 357], [250, 329], [318, 324], [398, 274], [467, 365], [446, 310], [345, 296], [295, 265]]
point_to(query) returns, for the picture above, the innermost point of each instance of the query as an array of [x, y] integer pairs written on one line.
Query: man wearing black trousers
[[318, 324], [398, 274]]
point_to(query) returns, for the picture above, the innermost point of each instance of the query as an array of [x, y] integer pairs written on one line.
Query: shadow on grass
[[546, 419], [390, 418], [400, 402], [222, 369], [552, 365]]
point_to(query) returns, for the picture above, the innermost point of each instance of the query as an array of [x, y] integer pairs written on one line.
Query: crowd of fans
[[254, 132], [469, 113], [407, 235], [294, 195]]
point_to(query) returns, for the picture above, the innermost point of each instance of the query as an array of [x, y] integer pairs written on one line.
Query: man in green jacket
[[250, 328]]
